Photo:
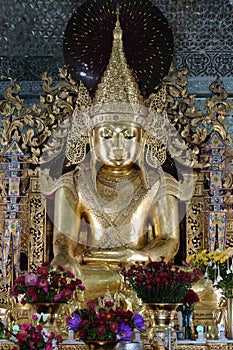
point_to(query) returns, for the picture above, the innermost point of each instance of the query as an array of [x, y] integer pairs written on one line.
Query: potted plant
[[161, 286], [108, 323], [35, 336], [160, 281], [46, 283], [217, 266], [47, 288]]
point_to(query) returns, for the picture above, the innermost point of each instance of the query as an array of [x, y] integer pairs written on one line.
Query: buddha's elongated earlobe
[[155, 151], [93, 158], [76, 152], [141, 163]]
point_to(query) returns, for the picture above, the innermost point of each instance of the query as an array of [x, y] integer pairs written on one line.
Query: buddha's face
[[117, 144]]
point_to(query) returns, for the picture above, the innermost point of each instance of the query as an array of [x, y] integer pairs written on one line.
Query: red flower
[[22, 336], [43, 270], [67, 293], [34, 317], [63, 281], [91, 305], [59, 339], [25, 326], [113, 326], [61, 267], [71, 275], [52, 336], [190, 298], [39, 328], [106, 315], [101, 329]]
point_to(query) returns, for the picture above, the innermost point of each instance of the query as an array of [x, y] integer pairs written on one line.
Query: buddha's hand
[[135, 255], [123, 256], [68, 263]]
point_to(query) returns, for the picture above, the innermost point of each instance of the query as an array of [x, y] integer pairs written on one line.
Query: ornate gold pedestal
[[204, 315], [193, 346]]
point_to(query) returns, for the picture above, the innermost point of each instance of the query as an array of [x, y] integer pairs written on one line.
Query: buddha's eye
[[128, 134], [106, 134]]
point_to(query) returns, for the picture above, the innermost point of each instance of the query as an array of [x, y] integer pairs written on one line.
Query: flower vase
[[102, 345], [229, 329], [187, 322], [160, 323], [49, 312]]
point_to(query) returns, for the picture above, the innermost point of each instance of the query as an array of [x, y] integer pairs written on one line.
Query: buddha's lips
[[118, 154]]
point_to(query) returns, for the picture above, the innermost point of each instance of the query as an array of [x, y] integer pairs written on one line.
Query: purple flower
[[57, 297], [73, 323], [139, 322], [31, 279], [43, 284], [125, 332]]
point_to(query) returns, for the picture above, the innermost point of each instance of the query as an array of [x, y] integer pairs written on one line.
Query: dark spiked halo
[[147, 37]]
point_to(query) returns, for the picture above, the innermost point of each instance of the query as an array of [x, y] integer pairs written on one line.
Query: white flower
[[215, 283], [229, 253], [219, 278], [206, 273]]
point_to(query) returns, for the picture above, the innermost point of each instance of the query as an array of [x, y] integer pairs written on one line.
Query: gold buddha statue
[[117, 206]]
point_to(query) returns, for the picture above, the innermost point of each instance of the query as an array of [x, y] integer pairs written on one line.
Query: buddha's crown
[[118, 96]]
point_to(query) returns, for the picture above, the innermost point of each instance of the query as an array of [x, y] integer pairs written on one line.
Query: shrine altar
[[186, 345]]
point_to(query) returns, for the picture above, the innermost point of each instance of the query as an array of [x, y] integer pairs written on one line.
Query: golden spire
[[118, 83]]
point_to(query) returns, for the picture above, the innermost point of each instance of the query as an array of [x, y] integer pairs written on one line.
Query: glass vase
[[187, 323]]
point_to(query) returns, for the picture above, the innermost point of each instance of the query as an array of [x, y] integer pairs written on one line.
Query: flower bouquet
[[160, 281], [216, 266], [35, 336], [46, 284], [105, 323], [189, 301]]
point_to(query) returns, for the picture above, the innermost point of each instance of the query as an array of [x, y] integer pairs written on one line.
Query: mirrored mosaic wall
[[31, 38]]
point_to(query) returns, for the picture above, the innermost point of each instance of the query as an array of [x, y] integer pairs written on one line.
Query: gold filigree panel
[[37, 241]]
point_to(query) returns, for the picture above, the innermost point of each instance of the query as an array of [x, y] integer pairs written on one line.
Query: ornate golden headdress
[[117, 98]]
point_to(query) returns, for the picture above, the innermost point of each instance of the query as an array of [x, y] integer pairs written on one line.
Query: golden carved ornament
[[32, 127]]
